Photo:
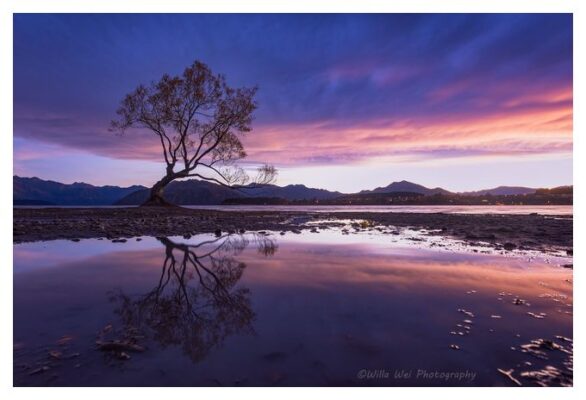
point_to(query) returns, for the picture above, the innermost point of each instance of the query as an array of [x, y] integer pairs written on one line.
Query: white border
[[284, 6], [7, 7]]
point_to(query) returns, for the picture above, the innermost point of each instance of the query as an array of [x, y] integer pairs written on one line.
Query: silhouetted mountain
[[291, 192], [189, 192], [196, 192], [501, 191], [35, 191], [407, 187]]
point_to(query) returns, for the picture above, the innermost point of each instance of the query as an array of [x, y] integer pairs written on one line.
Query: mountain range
[[35, 191], [197, 192]]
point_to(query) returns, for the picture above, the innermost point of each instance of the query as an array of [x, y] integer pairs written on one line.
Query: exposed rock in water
[[549, 376], [537, 316], [118, 345], [39, 370], [465, 312]]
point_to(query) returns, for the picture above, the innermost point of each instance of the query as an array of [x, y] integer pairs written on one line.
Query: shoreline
[[544, 233]]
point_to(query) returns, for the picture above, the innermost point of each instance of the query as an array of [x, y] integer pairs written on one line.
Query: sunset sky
[[346, 102]]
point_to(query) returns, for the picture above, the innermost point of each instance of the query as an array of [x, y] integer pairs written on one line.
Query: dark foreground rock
[[523, 232]]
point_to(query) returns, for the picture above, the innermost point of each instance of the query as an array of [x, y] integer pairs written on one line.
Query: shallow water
[[310, 309]]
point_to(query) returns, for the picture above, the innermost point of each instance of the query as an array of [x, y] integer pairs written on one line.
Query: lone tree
[[199, 121]]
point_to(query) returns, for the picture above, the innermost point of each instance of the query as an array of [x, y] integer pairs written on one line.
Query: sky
[[346, 101]]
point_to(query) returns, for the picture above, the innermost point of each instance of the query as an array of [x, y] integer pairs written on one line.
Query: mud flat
[[509, 232]]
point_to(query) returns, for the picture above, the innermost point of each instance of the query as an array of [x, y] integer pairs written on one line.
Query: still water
[[488, 209], [309, 309]]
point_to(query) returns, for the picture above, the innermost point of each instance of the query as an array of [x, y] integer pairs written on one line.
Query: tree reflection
[[196, 303]]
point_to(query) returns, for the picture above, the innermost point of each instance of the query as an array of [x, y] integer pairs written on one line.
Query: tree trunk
[[156, 198]]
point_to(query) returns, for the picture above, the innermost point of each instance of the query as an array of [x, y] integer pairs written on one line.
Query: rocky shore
[[525, 232]]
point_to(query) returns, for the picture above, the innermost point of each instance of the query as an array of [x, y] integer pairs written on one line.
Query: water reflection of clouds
[[345, 302], [35, 255], [312, 259], [410, 270]]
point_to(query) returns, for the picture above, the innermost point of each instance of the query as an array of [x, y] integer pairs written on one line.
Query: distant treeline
[[557, 196]]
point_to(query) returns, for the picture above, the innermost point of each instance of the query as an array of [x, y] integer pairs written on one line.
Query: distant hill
[[407, 187], [189, 192], [376, 198], [501, 191], [560, 190], [291, 192], [35, 191], [197, 192]]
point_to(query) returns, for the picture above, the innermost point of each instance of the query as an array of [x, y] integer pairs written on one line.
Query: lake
[[488, 209], [316, 309]]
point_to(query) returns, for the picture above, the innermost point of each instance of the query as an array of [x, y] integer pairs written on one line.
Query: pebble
[[538, 316], [465, 312]]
